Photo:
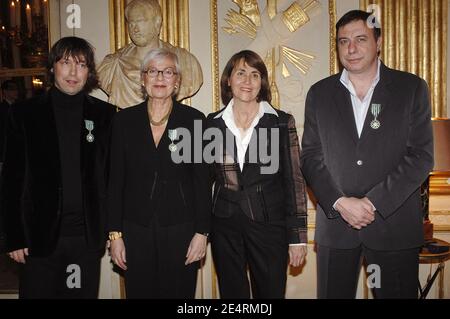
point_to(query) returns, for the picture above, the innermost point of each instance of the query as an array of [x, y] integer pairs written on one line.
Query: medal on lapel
[[172, 136], [90, 127], [375, 109]]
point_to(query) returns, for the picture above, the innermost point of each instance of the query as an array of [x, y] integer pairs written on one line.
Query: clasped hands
[[357, 212]]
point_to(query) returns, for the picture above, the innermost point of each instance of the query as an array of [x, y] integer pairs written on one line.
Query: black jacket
[[387, 164], [31, 180], [146, 183], [273, 197]]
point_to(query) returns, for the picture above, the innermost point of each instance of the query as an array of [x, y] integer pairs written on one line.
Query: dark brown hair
[[78, 49], [357, 15], [254, 60]]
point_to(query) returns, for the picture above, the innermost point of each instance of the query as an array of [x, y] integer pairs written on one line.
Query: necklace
[[163, 120]]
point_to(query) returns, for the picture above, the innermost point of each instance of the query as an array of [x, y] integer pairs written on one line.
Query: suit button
[[359, 163]]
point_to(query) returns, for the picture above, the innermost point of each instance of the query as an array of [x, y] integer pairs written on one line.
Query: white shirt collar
[[243, 139], [346, 81], [264, 108]]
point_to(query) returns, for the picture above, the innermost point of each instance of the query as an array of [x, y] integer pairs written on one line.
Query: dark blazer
[[145, 181], [387, 165], [31, 180], [274, 198], [4, 110]]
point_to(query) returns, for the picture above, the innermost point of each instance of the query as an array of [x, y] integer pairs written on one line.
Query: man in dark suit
[[10, 94], [367, 148], [53, 179]]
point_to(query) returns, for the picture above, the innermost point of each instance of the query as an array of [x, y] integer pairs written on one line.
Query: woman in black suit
[[259, 214], [158, 209]]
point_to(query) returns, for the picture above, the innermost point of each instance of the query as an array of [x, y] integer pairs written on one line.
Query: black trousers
[[155, 258], [70, 272], [392, 274], [237, 243]]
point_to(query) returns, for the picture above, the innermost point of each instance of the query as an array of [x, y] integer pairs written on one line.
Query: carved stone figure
[[119, 73]]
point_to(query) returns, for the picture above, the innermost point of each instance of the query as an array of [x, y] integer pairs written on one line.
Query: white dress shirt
[[242, 141], [360, 108]]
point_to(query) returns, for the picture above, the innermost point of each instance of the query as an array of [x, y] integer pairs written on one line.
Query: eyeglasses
[[167, 73]]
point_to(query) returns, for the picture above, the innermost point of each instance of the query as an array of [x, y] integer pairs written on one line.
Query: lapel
[[147, 129], [228, 148], [87, 149], [44, 124], [382, 96], [174, 121], [265, 122], [343, 104], [229, 151]]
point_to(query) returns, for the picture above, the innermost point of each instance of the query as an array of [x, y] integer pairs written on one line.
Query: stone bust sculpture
[[119, 73]]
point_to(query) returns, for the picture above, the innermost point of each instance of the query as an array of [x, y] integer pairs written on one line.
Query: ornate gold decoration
[[334, 62], [272, 8], [285, 72], [239, 23], [300, 60], [294, 17], [415, 40], [250, 9], [273, 83]]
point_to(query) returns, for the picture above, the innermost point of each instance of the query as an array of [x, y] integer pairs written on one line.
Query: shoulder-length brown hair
[[254, 60]]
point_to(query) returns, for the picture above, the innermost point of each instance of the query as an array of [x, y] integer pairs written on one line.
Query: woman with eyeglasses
[[159, 207]]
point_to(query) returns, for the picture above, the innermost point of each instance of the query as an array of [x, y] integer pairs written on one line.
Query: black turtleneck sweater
[[68, 110]]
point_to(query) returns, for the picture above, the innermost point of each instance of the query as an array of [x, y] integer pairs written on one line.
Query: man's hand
[[197, 249], [366, 200], [19, 255], [297, 254], [358, 213]]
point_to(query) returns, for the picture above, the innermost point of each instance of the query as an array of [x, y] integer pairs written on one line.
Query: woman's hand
[[19, 255], [297, 254], [117, 250], [197, 248]]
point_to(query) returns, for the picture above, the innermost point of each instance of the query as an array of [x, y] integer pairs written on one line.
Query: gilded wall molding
[[214, 25], [118, 34], [334, 62], [174, 29], [214, 55]]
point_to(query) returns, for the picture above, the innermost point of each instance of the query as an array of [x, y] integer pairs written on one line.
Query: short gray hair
[[159, 54]]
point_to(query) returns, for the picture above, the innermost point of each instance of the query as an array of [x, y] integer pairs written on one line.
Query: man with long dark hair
[[54, 179]]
